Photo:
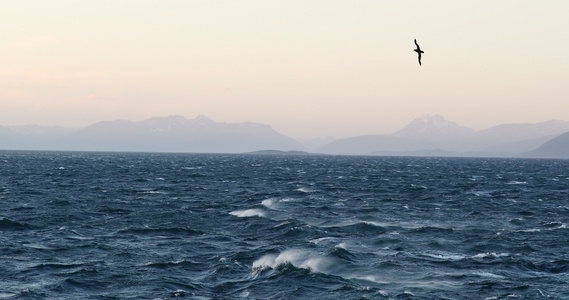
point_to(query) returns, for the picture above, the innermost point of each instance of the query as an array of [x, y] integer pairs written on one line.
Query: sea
[[88, 225]]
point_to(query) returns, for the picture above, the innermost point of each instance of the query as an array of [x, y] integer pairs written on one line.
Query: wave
[[490, 255], [270, 203], [262, 210], [516, 182], [26, 294], [364, 228], [488, 275], [445, 256], [56, 266], [7, 224], [253, 212], [165, 265], [299, 258], [162, 231], [305, 190]]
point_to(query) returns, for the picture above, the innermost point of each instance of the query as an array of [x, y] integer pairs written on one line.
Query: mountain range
[[435, 136], [160, 134], [424, 136]]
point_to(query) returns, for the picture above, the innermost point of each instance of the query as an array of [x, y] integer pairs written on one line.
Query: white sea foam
[[300, 258], [304, 190], [321, 240], [191, 168], [284, 200], [530, 230], [266, 261], [253, 212], [445, 256], [269, 203], [488, 274], [154, 192], [490, 255], [482, 193], [517, 182]]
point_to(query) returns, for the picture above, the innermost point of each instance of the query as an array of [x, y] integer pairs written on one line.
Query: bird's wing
[[417, 44], [419, 58]]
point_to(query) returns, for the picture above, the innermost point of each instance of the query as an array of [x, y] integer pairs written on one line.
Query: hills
[[435, 136], [555, 148], [434, 128], [160, 134], [424, 136]]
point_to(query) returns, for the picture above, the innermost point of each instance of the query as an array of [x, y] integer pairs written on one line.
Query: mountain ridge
[[431, 135], [432, 127], [158, 134], [557, 147], [428, 135]]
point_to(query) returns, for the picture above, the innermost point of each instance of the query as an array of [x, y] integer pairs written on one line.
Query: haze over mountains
[[160, 134], [424, 136], [433, 135]]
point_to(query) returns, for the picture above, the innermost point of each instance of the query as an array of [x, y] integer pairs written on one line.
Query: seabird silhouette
[[419, 51]]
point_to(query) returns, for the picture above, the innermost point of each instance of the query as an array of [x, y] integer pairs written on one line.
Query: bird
[[419, 51]]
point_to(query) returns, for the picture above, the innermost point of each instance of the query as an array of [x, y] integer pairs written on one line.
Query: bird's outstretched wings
[[418, 50]]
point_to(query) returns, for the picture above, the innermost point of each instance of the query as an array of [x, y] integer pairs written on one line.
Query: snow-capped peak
[[433, 127]]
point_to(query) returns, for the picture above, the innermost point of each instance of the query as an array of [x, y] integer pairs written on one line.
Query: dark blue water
[[161, 226]]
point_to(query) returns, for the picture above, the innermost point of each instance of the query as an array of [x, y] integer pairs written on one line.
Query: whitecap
[[253, 212], [304, 190], [488, 274], [289, 200], [322, 240], [245, 294], [269, 203], [490, 255], [300, 258], [445, 256], [371, 278], [191, 168], [482, 193], [266, 261], [530, 230], [517, 182], [154, 192]]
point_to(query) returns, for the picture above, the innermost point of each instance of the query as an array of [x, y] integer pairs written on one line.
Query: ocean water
[[197, 226]]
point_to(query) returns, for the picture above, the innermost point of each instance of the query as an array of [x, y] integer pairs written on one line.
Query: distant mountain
[[279, 152], [424, 136], [316, 143], [555, 148], [525, 131], [433, 135], [434, 128], [31, 137], [170, 134], [367, 144]]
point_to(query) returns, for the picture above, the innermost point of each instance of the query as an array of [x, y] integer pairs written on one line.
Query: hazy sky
[[308, 68]]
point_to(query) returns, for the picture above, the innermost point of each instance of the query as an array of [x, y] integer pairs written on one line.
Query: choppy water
[[160, 226]]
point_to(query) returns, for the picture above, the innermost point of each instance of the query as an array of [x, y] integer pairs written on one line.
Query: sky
[[308, 68]]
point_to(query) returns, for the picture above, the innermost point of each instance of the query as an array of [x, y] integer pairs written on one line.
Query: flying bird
[[419, 51]]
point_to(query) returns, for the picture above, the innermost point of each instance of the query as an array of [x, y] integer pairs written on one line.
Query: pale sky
[[308, 68]]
